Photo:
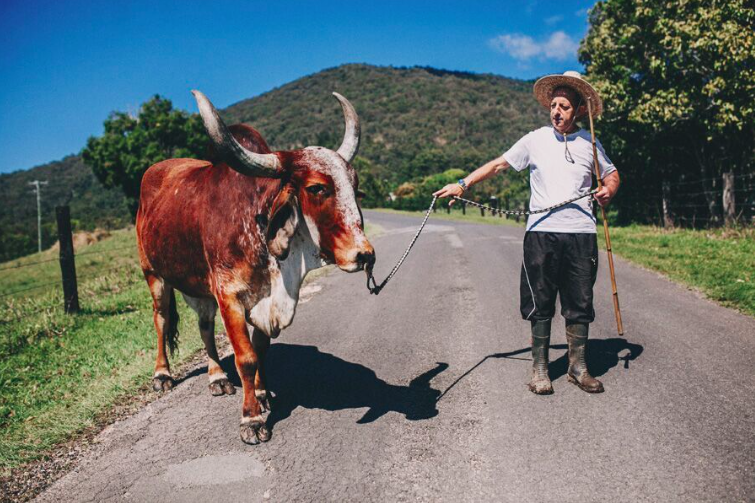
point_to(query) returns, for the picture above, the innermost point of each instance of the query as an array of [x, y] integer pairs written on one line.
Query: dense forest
[[417, 123]]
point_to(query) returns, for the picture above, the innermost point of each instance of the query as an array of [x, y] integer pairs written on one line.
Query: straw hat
[[544, 90]]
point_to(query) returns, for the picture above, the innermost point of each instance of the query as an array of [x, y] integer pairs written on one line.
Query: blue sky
[[64, 65]]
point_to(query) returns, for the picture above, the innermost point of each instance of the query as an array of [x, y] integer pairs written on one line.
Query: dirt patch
[[82, 239]]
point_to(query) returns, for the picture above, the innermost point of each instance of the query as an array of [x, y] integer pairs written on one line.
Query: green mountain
[[416, 122]]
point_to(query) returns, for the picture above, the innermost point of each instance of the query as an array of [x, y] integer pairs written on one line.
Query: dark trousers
[[558, 263]]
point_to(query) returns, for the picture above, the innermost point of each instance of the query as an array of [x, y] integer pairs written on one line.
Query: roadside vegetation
[[718, 262], [58, 372]]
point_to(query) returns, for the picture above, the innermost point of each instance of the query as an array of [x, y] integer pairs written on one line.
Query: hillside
[[460, 118], [415, 122], [70, 182]]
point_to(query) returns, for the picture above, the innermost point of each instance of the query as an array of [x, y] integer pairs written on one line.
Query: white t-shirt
[[553, 179]]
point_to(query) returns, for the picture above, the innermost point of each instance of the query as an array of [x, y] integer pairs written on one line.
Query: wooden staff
[[616, 309]]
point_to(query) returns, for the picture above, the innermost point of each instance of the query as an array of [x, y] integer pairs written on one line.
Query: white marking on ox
[[330, 163], [275, 311]]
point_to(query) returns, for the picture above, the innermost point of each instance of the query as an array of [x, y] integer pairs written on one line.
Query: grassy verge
[[473, 216], [720, 263], [59, 372]]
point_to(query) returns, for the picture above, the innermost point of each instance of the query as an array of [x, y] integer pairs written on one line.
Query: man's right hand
[[450, 190]]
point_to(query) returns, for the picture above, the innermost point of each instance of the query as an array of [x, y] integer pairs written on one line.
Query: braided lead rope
[[525, 212], [375, 289]]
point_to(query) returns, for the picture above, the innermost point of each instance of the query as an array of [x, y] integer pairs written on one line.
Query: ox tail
[[171, 331]]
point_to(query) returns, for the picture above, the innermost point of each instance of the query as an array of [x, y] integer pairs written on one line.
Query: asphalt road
[[420, 394]]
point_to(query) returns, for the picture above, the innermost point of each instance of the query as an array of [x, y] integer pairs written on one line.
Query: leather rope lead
[[375, 289]]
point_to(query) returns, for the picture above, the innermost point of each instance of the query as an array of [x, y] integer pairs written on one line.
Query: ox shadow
[[602, 356], [304, 376]]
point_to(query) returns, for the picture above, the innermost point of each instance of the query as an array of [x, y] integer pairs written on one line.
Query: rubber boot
[[576, 337], [541, 337]]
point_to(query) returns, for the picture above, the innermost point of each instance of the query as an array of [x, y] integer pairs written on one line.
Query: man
[[560, 246]]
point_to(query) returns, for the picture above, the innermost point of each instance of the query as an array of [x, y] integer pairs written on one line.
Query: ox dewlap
[[553, 178]]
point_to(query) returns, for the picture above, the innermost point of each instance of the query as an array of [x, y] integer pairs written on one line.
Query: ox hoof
[[222, 387], [264, 398], [254, 433], [162, 382]]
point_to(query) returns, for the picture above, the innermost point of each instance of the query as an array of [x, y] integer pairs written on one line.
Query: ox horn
[[350, 144], [239, 158]]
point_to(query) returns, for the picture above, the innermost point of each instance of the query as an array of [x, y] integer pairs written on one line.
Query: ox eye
[[317, 189]]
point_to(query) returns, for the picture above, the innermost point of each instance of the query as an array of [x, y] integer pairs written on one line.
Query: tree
[[130, 144], [678, 80], [375, 190], [417, 196]]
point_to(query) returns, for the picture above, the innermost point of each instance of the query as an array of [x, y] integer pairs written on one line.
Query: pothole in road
[[214, 470]]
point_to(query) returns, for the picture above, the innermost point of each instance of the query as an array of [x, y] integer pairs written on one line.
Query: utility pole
[[36, 190]]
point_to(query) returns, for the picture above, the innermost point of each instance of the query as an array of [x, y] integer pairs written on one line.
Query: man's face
[[564, 104], [562, 114]]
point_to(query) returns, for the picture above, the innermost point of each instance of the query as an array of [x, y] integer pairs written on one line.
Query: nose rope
[[375, 289]]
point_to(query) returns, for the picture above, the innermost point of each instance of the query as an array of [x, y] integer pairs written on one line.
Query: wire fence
[[57, 282]]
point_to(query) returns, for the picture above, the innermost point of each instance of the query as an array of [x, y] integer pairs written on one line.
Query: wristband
[[462, 184]]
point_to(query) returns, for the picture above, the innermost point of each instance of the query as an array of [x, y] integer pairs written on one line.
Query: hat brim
[[544, 87]]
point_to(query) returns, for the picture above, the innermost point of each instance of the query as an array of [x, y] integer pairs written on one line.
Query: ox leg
[[164, 310], [219, 383], [261, 343], [253, 429], [206, 310]]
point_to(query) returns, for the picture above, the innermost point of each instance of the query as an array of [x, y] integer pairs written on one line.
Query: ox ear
[[284, 218]]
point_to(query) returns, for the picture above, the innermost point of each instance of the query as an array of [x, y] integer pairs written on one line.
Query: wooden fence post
[[668, 220], [463, 208], [67, 260], [730, 214]]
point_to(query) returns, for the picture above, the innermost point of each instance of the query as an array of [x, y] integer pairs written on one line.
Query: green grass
[[720, 263], [59, 372], [34, 275]]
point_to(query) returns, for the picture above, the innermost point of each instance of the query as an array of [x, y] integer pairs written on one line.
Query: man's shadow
[[303, 376], [602, 356]]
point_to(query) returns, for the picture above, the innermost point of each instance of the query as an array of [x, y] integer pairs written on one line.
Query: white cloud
[[553, 19], [558, 46], [517, 46]]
